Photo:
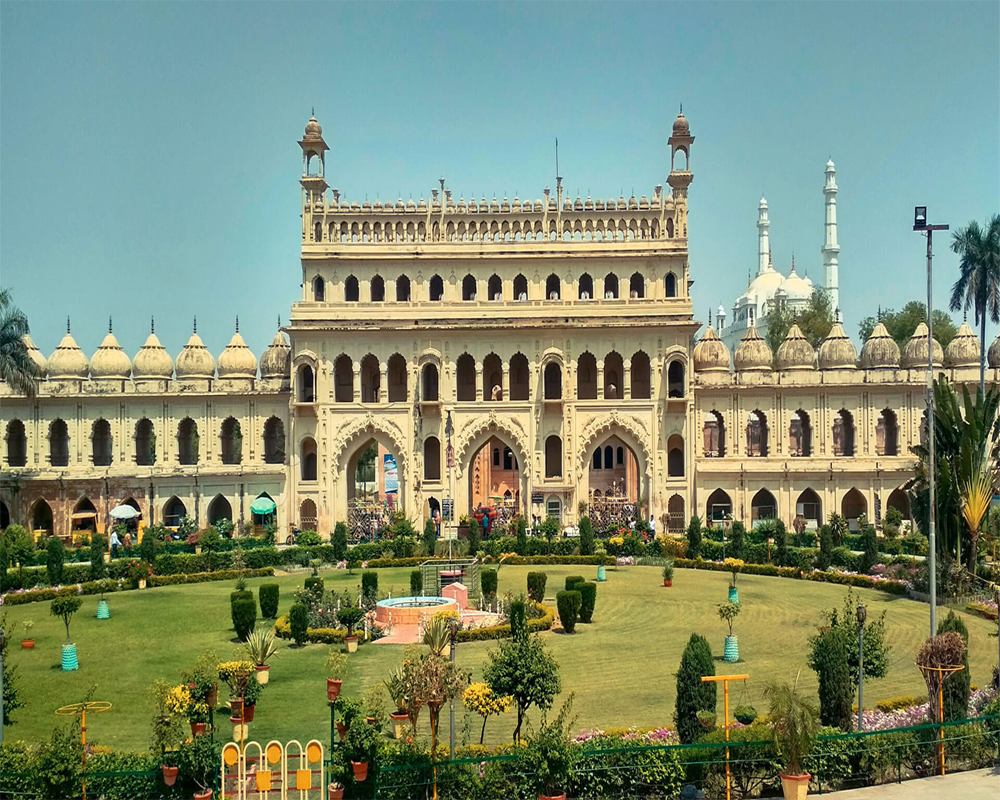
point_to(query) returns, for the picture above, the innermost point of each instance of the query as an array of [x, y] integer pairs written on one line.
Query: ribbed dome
[[110, 361], [313, 129], [194, 361], [710, 354], [277, 359], [40, 362], [880, 351], [152, 362], [963, 350], [915, 351], [681, 127], [837, 351], [992, 355], [795, 352], [237, 360], [68, 362], [752, 354]]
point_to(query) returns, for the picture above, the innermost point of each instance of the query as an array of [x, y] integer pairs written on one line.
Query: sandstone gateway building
[[531, 355]]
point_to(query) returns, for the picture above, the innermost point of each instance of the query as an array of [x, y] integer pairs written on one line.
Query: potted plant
[[198, 760], [197, 715], [551, 756], [350, 710], [236, 674], [728, 612], [438, 637], [335, 788], [668, 572], [706, 719], [260, 646], [166, 731], [336, 668], [734, 565], [396, 685], [65, 606], [374, 703], [795, 724], [360, 748], [349, 616], [251, 694], [27, 642], [745, 714]]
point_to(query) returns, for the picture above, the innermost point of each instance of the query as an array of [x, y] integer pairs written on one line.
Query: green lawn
[[621, 668]]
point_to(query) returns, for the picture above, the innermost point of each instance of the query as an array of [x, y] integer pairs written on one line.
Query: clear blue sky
[[148, 157]]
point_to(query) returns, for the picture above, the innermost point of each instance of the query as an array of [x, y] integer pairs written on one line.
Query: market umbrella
[[262, 505], [123, 512]]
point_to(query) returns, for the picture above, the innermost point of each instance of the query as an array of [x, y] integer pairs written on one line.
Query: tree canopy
[[901, 324], [815, 321]]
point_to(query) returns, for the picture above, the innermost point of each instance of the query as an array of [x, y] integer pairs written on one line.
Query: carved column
[[627, 379], [505, 381], [600, 379], [357, 382], [479, 381], [383, 382]]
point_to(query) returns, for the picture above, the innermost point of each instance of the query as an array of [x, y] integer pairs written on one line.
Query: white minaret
[[830, 246], [763, 243]]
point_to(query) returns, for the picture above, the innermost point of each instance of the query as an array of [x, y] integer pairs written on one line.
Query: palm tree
[[978, 284], [17, 369]]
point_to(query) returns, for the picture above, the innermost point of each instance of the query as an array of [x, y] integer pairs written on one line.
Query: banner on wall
[[391, 475]]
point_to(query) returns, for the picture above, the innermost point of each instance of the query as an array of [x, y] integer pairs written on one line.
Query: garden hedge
[[416, 583], [542, 623], [269, 594], [572, 581], [588, 594], [369, 586], [488, 582], [568, 603], [536, 586], [283, 628], [315, 585], [244, 611]]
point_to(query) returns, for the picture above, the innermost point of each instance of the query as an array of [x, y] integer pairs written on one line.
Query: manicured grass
[[621, 668]]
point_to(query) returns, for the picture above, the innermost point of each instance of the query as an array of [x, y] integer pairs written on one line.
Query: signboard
[[537, 498], [447, 508], [391, 474]]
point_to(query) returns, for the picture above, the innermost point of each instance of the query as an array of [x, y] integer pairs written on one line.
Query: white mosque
[[770, 288]]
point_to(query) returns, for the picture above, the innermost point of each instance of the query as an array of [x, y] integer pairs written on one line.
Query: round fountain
[[409, 610]]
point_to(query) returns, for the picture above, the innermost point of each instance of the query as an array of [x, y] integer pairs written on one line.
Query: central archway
[[472, 443], [614, 484], [373, 488], [495, 480]]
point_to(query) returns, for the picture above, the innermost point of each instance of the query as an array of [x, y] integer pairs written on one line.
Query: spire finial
[[709, 316], [237, 323], [682, 109], [793, 262], [67, 323], [279, 322], [152, 326], [109, 323], [836, 315], [195, 329], [314, 111]]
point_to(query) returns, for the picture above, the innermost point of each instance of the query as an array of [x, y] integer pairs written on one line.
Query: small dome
[[795, 287], [237, 360], [313, 129], [277, 359], [880, 351], [915, 351], [992, 355], [36, 355], [752, 354], [795, 352], [837, 351], [152, 362], [681, 127], [710, 354], [68, 361], [963, 350], [194, 361], [110, 360]]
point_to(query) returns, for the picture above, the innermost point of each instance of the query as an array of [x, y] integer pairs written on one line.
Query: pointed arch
[[219, 509], [307, 459], [585, 287], [187, 442], [231, 441], [436, 289], [714, 435], [520, 377], [763, 506], [307, 515], [145, 443], [40, 518], [17, 444], [274, 441], [641, 376], [319, 289], [675, 456], [520, 288], [402, 289], [586, 377], [465, 377], [58, 444], [800, 435], [398, 378], [173, 510], [351, 291], [552, 287], [377, 289]]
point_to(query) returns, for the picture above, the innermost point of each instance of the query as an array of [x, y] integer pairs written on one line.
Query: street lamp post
[[862, 614], [920, 224], [3, 642]]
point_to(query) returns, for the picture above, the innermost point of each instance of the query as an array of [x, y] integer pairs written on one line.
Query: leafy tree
[[737, 540], [694, 537], [586, 537], [902, 324], [340, 541], [522, 668], [210, 539], [430, 538], [98, 546], [815, 321], [59, 762], [839, 529], [956, 687], [20, 549], [475, 536], [55, 558], [825, 547], [4, 564], [693, 695], [549, 529], [780, 543], [869, 557], [11, 681], [844, 625], [65, 606], [17, 369], [978, 284], [522, 537], [147, 548], [829, 659]]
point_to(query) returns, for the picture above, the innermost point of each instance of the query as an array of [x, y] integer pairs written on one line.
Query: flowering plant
[[236, 674], [480, 698]]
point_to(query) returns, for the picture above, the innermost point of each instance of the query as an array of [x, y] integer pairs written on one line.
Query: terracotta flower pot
[[336, 794], [795, 787], [236, 706], [352, 644], [169, 775], [248, 712], [263, 673], [333, 689], [213, 697], [668, 584], [206, 795], [552, 796], [360, 770], [342, 729], [27, 644], [198, 728]]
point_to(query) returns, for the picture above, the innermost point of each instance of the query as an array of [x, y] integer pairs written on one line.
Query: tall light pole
[[3, 644], [862, 614], [920, 224]]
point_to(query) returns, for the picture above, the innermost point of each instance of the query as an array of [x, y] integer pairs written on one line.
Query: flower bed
[[490, 632], [984, 608], [889, 585]]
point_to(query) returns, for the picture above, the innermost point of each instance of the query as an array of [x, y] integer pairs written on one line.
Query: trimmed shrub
[[522, 537], [369, 587], [957, 686], [488, 582], [475, 536], [315, 585], [269, 594], [234, 597], [694, 538], [737, 540], [244, 610], [586, 537], [829, 660], [55, 558], [780, 544], [573, 580], [693, 695], [536, 586], [588, 595], [824, 560], [568, 604], [416, 583], [298, 620], [430, 537], [870, 557], [98, 569], [517, 614], [339, 541]]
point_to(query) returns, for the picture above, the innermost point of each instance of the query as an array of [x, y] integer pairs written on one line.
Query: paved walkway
[[979, 784]]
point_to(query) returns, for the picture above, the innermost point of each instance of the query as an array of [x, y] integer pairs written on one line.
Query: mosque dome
[[752, 354], [837, 351], [681, 127], [277, 359], [110, 361], [68, 362], [992, 355], [963, 350], [795, 287], [237, 360], [313, 129], [915, 351], [152, 362], [880, 351], [194, 361], [710, 354], [36, 355], [795, 352]]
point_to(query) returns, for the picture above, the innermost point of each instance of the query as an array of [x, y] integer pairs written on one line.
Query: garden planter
[[263, 673], [352, 644], [236, 707], [239, 730], [213, 697], [734, 594], [360, 770], [552, 796], [342, 729], [248, 712], [399, 723], [731, 652], [198, 728], [668, 584], [336, 794], [795, 787], [142, 583], [333, 689], [27, 644], [169, 775], [103, 611], [601, 574], [69, 660], [206, 795]]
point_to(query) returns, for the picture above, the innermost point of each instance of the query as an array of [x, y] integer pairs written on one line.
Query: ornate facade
[[529, 355]]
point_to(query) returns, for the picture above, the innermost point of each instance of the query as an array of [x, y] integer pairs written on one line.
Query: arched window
[[800, 435], [41, 517], [173, 511], [675, 379], [58, 444], [757, 434], [763, 506], [219, 509], [553, 381], [319, 289], [402, 289], [378, 289], [371, 379], [809, 508], [852, 507], [307, 516], [552, 287], [843, 433], [306, 384], [308, 459], [468, 288], [231, 437], [432, 459], [508, 459], [609, 457], [437, 288], [492, 378], [586, 287], [597, 458], [520, 288], [145, 443], [496, 456], [614, 371], [553, 457], [466, 378], [343, 379], [620, 456], [317, 229], [494, 288], [887, 434], [397, 377], [429, 383], [586, 377], [274, 441], [17, 444], [675, 456], [187, 442], [101, 445], [675, 514], [636, 286], [610, 286], [641, 376], [670, 284], [351, 291], [714, 434], [519, 378]]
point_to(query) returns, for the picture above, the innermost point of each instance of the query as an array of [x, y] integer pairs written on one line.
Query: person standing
[[115, 544]]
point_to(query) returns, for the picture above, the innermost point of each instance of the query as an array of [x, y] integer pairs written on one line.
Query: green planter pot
[[731, 653], [734, 595], [103, 611], [69, 660], [601, 574]]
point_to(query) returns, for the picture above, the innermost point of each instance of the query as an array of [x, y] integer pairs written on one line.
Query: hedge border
[[283, 630], [207, 577], [859, 581], [543, 623]]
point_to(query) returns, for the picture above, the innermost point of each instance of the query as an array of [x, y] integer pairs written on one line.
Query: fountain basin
[[409, 610]]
